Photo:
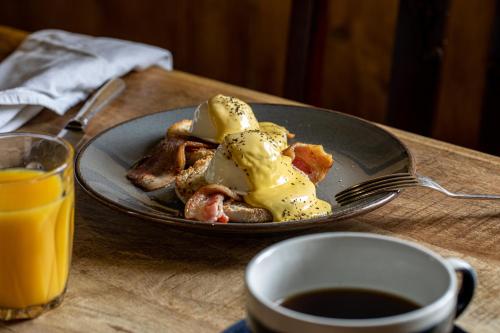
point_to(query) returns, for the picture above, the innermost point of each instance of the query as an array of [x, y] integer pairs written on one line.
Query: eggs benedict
[[251, 164], [225, 166]]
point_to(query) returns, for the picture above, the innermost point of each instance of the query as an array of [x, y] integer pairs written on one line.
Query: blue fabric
[[238, 327], [241, 327]]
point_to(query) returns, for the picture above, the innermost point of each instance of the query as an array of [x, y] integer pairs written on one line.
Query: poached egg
[[222, 115]]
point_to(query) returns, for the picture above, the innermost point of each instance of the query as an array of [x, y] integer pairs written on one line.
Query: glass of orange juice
[[36, 223]]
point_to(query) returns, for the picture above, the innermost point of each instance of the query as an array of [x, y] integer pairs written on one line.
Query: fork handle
[[473, 196], [430, 183]]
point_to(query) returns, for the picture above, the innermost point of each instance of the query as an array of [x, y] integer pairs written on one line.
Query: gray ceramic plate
[[360, 149]]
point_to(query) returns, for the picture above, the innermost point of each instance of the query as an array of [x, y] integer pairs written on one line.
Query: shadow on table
[[105, 233], [101, 231]]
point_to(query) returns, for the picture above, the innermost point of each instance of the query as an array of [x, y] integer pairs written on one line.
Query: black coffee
[[347, 303]]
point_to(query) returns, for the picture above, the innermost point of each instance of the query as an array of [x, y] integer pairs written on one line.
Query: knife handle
[[100, 99]]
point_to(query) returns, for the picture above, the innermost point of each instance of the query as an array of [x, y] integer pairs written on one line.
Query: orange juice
[[36, 232]]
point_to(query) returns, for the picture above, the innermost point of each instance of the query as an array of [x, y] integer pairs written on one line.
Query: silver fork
[[399, 181]]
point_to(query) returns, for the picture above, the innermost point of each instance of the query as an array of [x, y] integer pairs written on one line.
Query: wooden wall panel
[[358, 57], [458, 114], [490, 115], [417, 64], [241, 42], [267, 48], [244, 42]]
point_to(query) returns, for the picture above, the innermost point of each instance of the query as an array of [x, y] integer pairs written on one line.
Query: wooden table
[[130, 275]]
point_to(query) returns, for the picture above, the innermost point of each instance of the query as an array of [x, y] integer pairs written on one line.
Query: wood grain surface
[[130, 275]]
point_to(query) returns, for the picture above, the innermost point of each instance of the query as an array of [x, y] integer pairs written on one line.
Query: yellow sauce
[[36, 231], [277, 133], [230, 115], [276, 185]]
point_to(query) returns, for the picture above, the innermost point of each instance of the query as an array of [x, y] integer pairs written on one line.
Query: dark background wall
[[245, 42]]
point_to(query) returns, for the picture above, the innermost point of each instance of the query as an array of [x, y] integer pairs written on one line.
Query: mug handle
[[469, 281]]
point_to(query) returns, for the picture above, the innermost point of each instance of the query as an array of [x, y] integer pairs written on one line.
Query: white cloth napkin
[[57, 69]]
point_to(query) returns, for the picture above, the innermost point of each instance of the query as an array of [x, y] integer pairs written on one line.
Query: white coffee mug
[[356, 260]]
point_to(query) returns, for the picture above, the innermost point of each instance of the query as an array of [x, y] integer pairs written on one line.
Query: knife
[[74, 130]]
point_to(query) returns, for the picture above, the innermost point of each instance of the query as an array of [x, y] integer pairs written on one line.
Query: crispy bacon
[[311, 159], [181, 128], [217, 203], [166, 160], [188, 181], [196, 154], [206, 204]]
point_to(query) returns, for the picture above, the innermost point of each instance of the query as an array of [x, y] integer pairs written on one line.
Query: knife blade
[[74, 130]]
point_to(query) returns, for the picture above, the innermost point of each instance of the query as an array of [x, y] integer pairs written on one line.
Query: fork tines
[[391, 182]]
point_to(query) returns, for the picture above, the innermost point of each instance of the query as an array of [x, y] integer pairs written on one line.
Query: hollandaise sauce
[[230, 115], [275, 184], [36, 228], [278, 134]]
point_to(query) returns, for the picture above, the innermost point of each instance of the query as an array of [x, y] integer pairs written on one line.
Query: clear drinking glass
[[36, 223]]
